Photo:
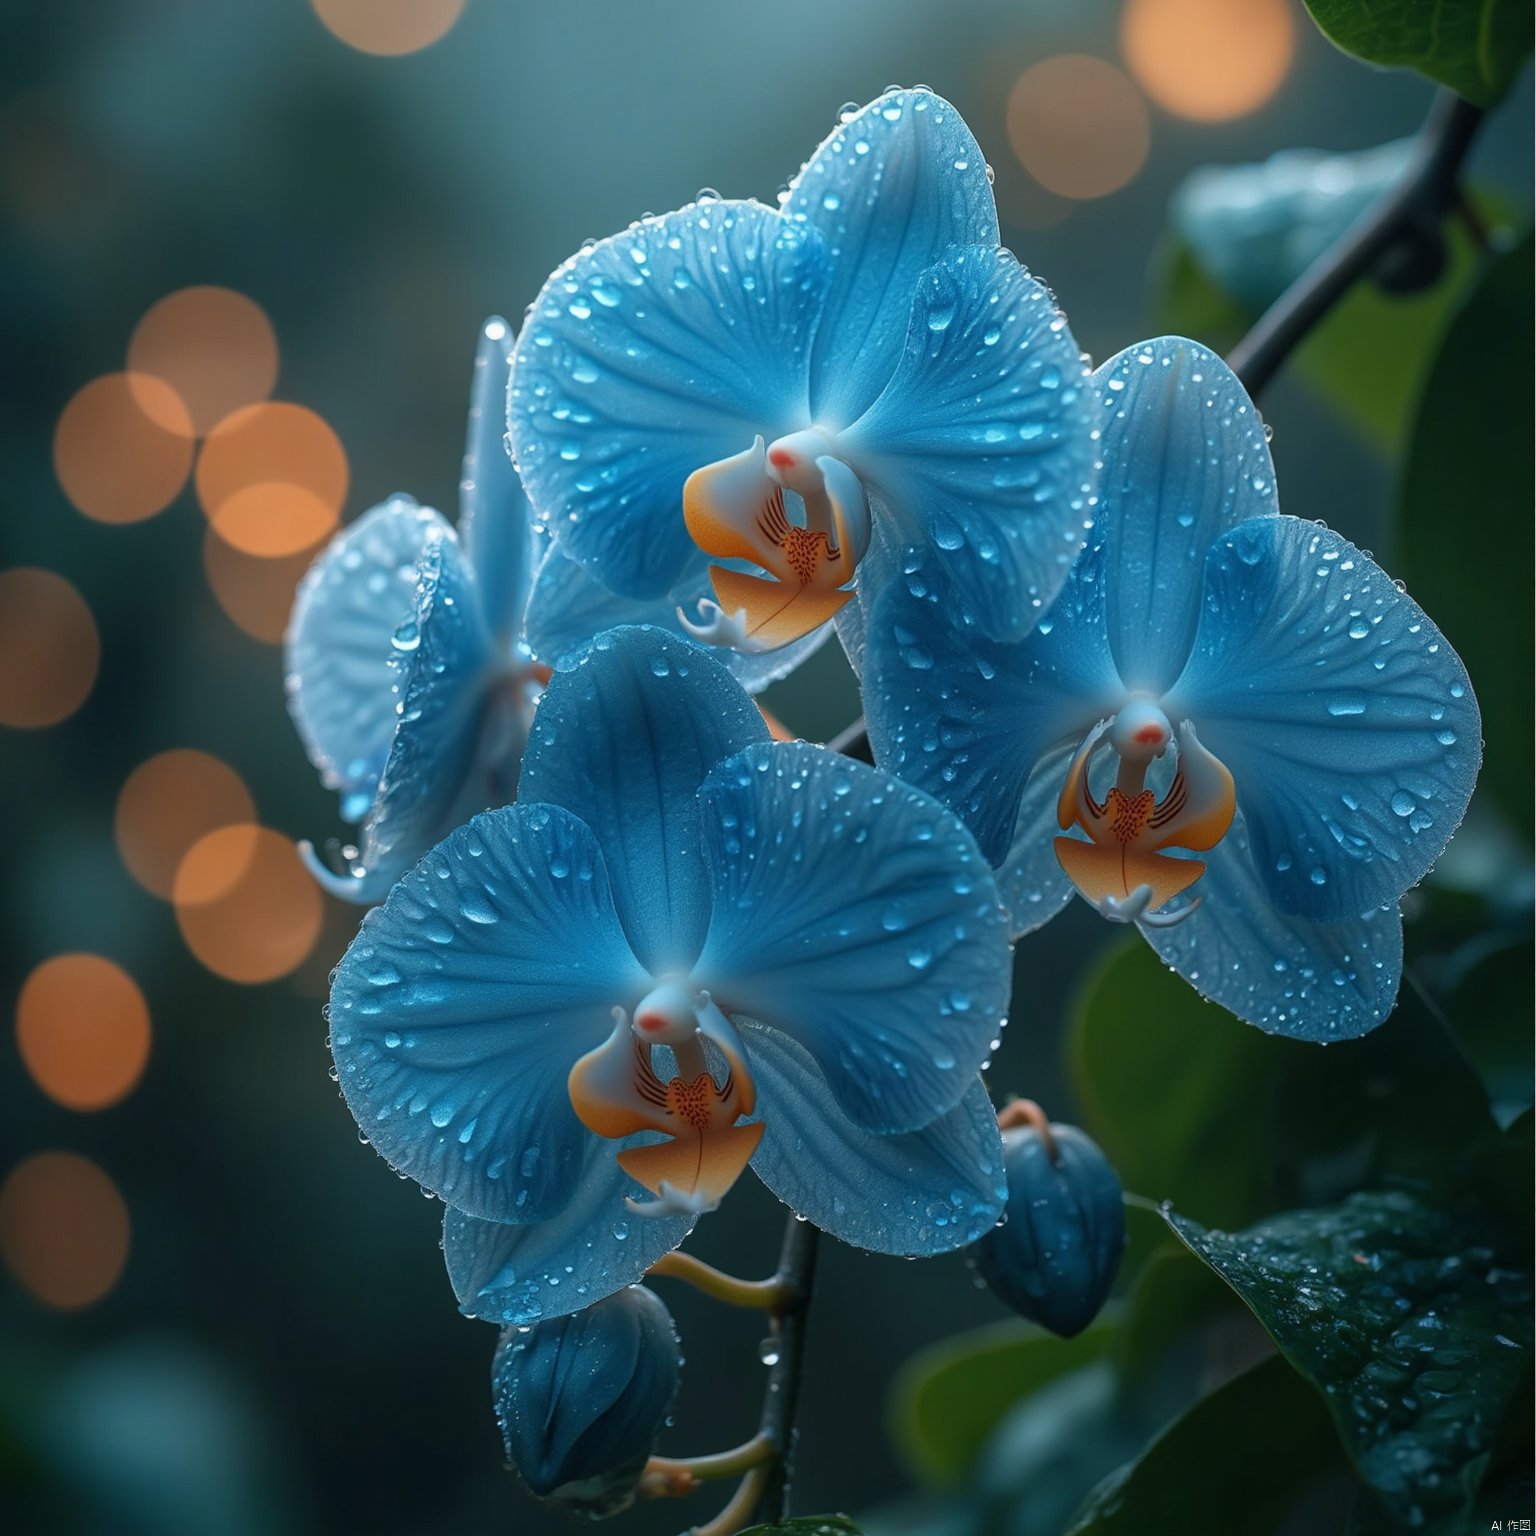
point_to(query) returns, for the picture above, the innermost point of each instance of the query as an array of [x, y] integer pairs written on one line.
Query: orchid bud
[[1054, 1256], [582, 1398]]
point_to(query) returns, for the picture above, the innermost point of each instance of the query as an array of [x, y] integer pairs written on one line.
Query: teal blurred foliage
[[1241, 234], [282, 1354]]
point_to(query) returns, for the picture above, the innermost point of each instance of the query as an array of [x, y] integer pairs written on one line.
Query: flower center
[[735, 510], [1122, 868], [617, 1091]]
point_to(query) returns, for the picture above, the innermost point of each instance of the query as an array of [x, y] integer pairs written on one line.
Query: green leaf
[[807, 1525], [1194, 1106], [1240, 1459], [1465, 503], [1056, 1446], [1490, 1009], [1474, 46], [948, 1399], [1411, 1322], [1175, 1296], [1371, 354]]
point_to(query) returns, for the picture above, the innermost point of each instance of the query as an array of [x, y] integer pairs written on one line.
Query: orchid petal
[[1288, 975], [337, 653], [650, 355], [981, 444], [495, 522], [1030, 881], [890, 189], [464, 1001], [1184, 459], [965, 718], [429, 786], [925, 1192], [522, 1273], [624, 739], [1344, 715], [856, 915]]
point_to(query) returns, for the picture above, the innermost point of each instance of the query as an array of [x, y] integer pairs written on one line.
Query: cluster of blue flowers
[[1095, 657]]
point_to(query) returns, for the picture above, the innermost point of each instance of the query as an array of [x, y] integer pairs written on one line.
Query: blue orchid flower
[[684, 949], [415, 652], [803, 406], [406, 671], [1216, 679]]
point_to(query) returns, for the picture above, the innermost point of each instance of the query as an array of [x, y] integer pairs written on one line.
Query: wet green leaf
[[1194, 1106], [948, 1399], [807, 1525], [1465, 503], [1410, 1320], [1240, 1459], [1474, 46]]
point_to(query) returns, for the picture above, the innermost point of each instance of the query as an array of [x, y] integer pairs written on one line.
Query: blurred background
[[246, 252]]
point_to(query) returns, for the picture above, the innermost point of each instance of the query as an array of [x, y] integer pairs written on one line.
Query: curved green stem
[[670, 1477], [739, 1511], [766, 1295]]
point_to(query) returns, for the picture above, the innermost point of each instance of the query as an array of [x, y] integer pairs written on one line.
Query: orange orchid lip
[[617, 1091], [734, 510], [1122, 868]]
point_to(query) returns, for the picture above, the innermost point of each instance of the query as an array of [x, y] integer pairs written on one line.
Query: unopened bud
[[582, 1398], [1055, 1256]]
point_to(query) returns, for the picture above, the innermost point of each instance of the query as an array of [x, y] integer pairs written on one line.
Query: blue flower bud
[[1055, 1255], [582, 1398]]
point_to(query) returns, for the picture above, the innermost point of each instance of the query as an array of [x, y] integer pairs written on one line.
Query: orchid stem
[[764, 1295], [736, 1514], [1415, 204], [764, 1491], [797, 1272], [853, 741], [670, 1477]]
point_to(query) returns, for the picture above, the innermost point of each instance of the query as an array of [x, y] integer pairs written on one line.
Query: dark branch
[[1411, 211], [797, 1271]]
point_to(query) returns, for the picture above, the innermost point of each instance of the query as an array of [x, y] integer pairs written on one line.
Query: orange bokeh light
[[82, 1028], [122, 447], [49, 648], [388, 26], [166, 805], [256, 594], [272, 478], [214, 347], [1078, 125], [246, 905], [1209, 60], [63, 1229]]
